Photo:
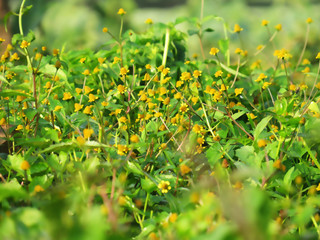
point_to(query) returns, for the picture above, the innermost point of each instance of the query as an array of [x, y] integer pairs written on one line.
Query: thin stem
[[304, 47]]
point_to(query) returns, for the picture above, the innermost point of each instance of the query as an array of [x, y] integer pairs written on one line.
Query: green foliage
[[138, 140]]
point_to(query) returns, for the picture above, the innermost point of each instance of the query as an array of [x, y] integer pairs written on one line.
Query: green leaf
[[134, 168], [64, 146], [13, 190], [289, 177], [261, 126], [10, 93], [224, 45], [148, 185], [3, 79], [193, 32], [214, 154], [208, 30]]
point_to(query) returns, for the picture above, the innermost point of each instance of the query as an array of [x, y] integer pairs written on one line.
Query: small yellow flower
[[57, 108], [264, 23], [55, 52], [121, 89], [238, 51], [105, 30], [14, 57], [164, 186], [237, 28], [309, 20], [148, 66], [121, 12], [101, 60], [122, 149], [238, 91], [148, 21], [183, 108], [261, 77], [134, 138], [82, 60], [262, 143], [86, 72], [19, 127], [66, 96], [214, 51], [306, 70], [252, 116], [292, 87], [318, 55], [123, 71], [278, 27], [2, 40], [38, 188], [25, 165], [24, 44], [87, 132], [78, 90], [77, 107], [81, 140], [2, 121], [218, 73], [88, 110], [266, 85], [92, 97], [184, 169], [197, 73], [87, 89], [282, 54]]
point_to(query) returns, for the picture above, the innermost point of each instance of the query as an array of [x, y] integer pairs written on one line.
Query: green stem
[[20, 17]]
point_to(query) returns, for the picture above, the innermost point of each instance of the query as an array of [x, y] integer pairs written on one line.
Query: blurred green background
[[77, 24]]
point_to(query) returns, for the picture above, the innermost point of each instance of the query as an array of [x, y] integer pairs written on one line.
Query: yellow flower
[[309, 20], [2, 40], [82, 60], [121, 89], [104, 103], [92, 97], [78, 90], [148, 66], [2, 121], [318, 55], [185, 76], [122, 149], [306, 70], [77, 107], [66, 96], [318, 85], [87, 110], [264, 23], [14, 57], [238, 51], [101, 60], [164, 186], [318, 187], [282, 54], [24, 44], [197, 73], [105, 30], [278, 27], [262, 143], [57, 108], [148, 21], [261, 77], [183, 108], [238, 91], [218, 73], [200, 140], [266, 85], [81, 140], [25, 165], [20, 98], [38, 188], [184, 169], [134, 138], [86, 72], [123, 71], [237, 28], [55, 52], [19, 127], [305, 61], [292, 87], [121, 12], [87, 89], [252, 116], [214, 51], [87, 132]]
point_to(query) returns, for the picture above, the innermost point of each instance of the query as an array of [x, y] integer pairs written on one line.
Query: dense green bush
[[136, 140]]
